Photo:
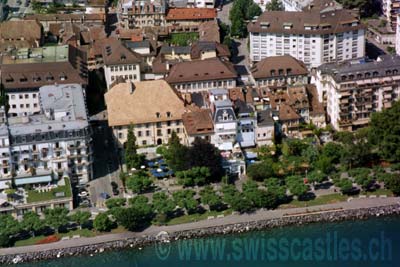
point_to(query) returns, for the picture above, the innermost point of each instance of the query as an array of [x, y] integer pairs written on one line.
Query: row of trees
[[242, 11], [32, 223], [139, 212]]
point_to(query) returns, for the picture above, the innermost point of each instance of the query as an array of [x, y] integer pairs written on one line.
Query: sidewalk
[[232, 219]]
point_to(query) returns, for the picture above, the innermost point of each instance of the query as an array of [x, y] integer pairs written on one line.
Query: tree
[[276, 186], [194, 176], [384, 133], [393, 183], [316, 177], [141, 203], [139, 182], [8, 227], [259, 198], [366, 7], [253, 11], [274, 5], [345, 185], [296, 185], [132, 218], [333, 151], [176, 154], [115, 202], [261, 171], [324, 164], [204, 154], [209, 197], [241, 204], [81, 217], [184, 199], [31, 222], [102, 222], [132, 158], [163, 204], [229, 193], [55, 218]]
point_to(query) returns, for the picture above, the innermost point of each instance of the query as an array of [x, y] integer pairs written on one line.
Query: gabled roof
[[198, 121], [269, 67], [191, 14], [115, 53], [204, 46], [201, 70], [21, 29], [141, 102]]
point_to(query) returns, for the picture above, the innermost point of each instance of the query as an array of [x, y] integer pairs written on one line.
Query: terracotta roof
[[142, 105], [114, 53], [65, 17], [270, 67], [334, 21], [203, 46], [20, 29], [286, 113], [209, 31], [201, 70], [191, 14], [198, 121], [316, 107]]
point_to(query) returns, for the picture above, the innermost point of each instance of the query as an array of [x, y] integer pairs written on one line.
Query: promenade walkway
[[227, 220]]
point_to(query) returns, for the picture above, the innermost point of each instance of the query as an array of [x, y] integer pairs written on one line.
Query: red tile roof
[[191, 13]]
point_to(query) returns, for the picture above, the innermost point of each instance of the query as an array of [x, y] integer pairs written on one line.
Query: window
[[159, 133], [33, 95], [120, 135], [144, 142], [158, 115], [26, 96], [147, 133], [168, 115], [139, 133]]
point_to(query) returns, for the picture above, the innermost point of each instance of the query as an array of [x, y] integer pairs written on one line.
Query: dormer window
[[168, 114], [63, 77], [23, 79], [9, 79], [158, 115]]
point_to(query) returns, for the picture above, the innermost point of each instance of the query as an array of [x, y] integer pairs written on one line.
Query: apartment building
[[312, 36], [54, 143], [398, 35], [25, 70], [279, 71], [353, 90], [120, 62], [390, 9], [142, 13], [153, 108], [202, 75]]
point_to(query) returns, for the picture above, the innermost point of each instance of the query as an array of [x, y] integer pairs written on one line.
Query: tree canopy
[[132, 158]]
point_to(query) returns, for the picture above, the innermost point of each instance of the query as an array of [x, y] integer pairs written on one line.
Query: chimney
[[131, 87]]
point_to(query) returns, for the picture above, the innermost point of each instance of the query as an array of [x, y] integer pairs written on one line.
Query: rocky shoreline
[[290, 220]]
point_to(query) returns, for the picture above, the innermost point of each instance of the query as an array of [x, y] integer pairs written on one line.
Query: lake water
[[375, 242]]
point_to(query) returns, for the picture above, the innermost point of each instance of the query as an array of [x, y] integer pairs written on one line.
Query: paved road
[[223, 15], [228, 220]]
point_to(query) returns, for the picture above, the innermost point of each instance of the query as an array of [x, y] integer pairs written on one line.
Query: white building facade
[[398, 35], [315, 42]]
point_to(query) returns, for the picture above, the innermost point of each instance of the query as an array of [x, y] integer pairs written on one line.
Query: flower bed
[[49, 239]]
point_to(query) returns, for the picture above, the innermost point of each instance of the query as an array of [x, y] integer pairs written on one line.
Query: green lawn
[[326, 199], [35, 196], [197, 217], [379, 192], [183, 39], [34, 240]]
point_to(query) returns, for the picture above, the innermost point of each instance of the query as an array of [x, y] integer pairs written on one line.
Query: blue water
[[375, 242]]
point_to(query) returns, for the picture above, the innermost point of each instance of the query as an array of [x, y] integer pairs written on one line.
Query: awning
[[247, 144], [4, 185], [225, 146], [33, 180]]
